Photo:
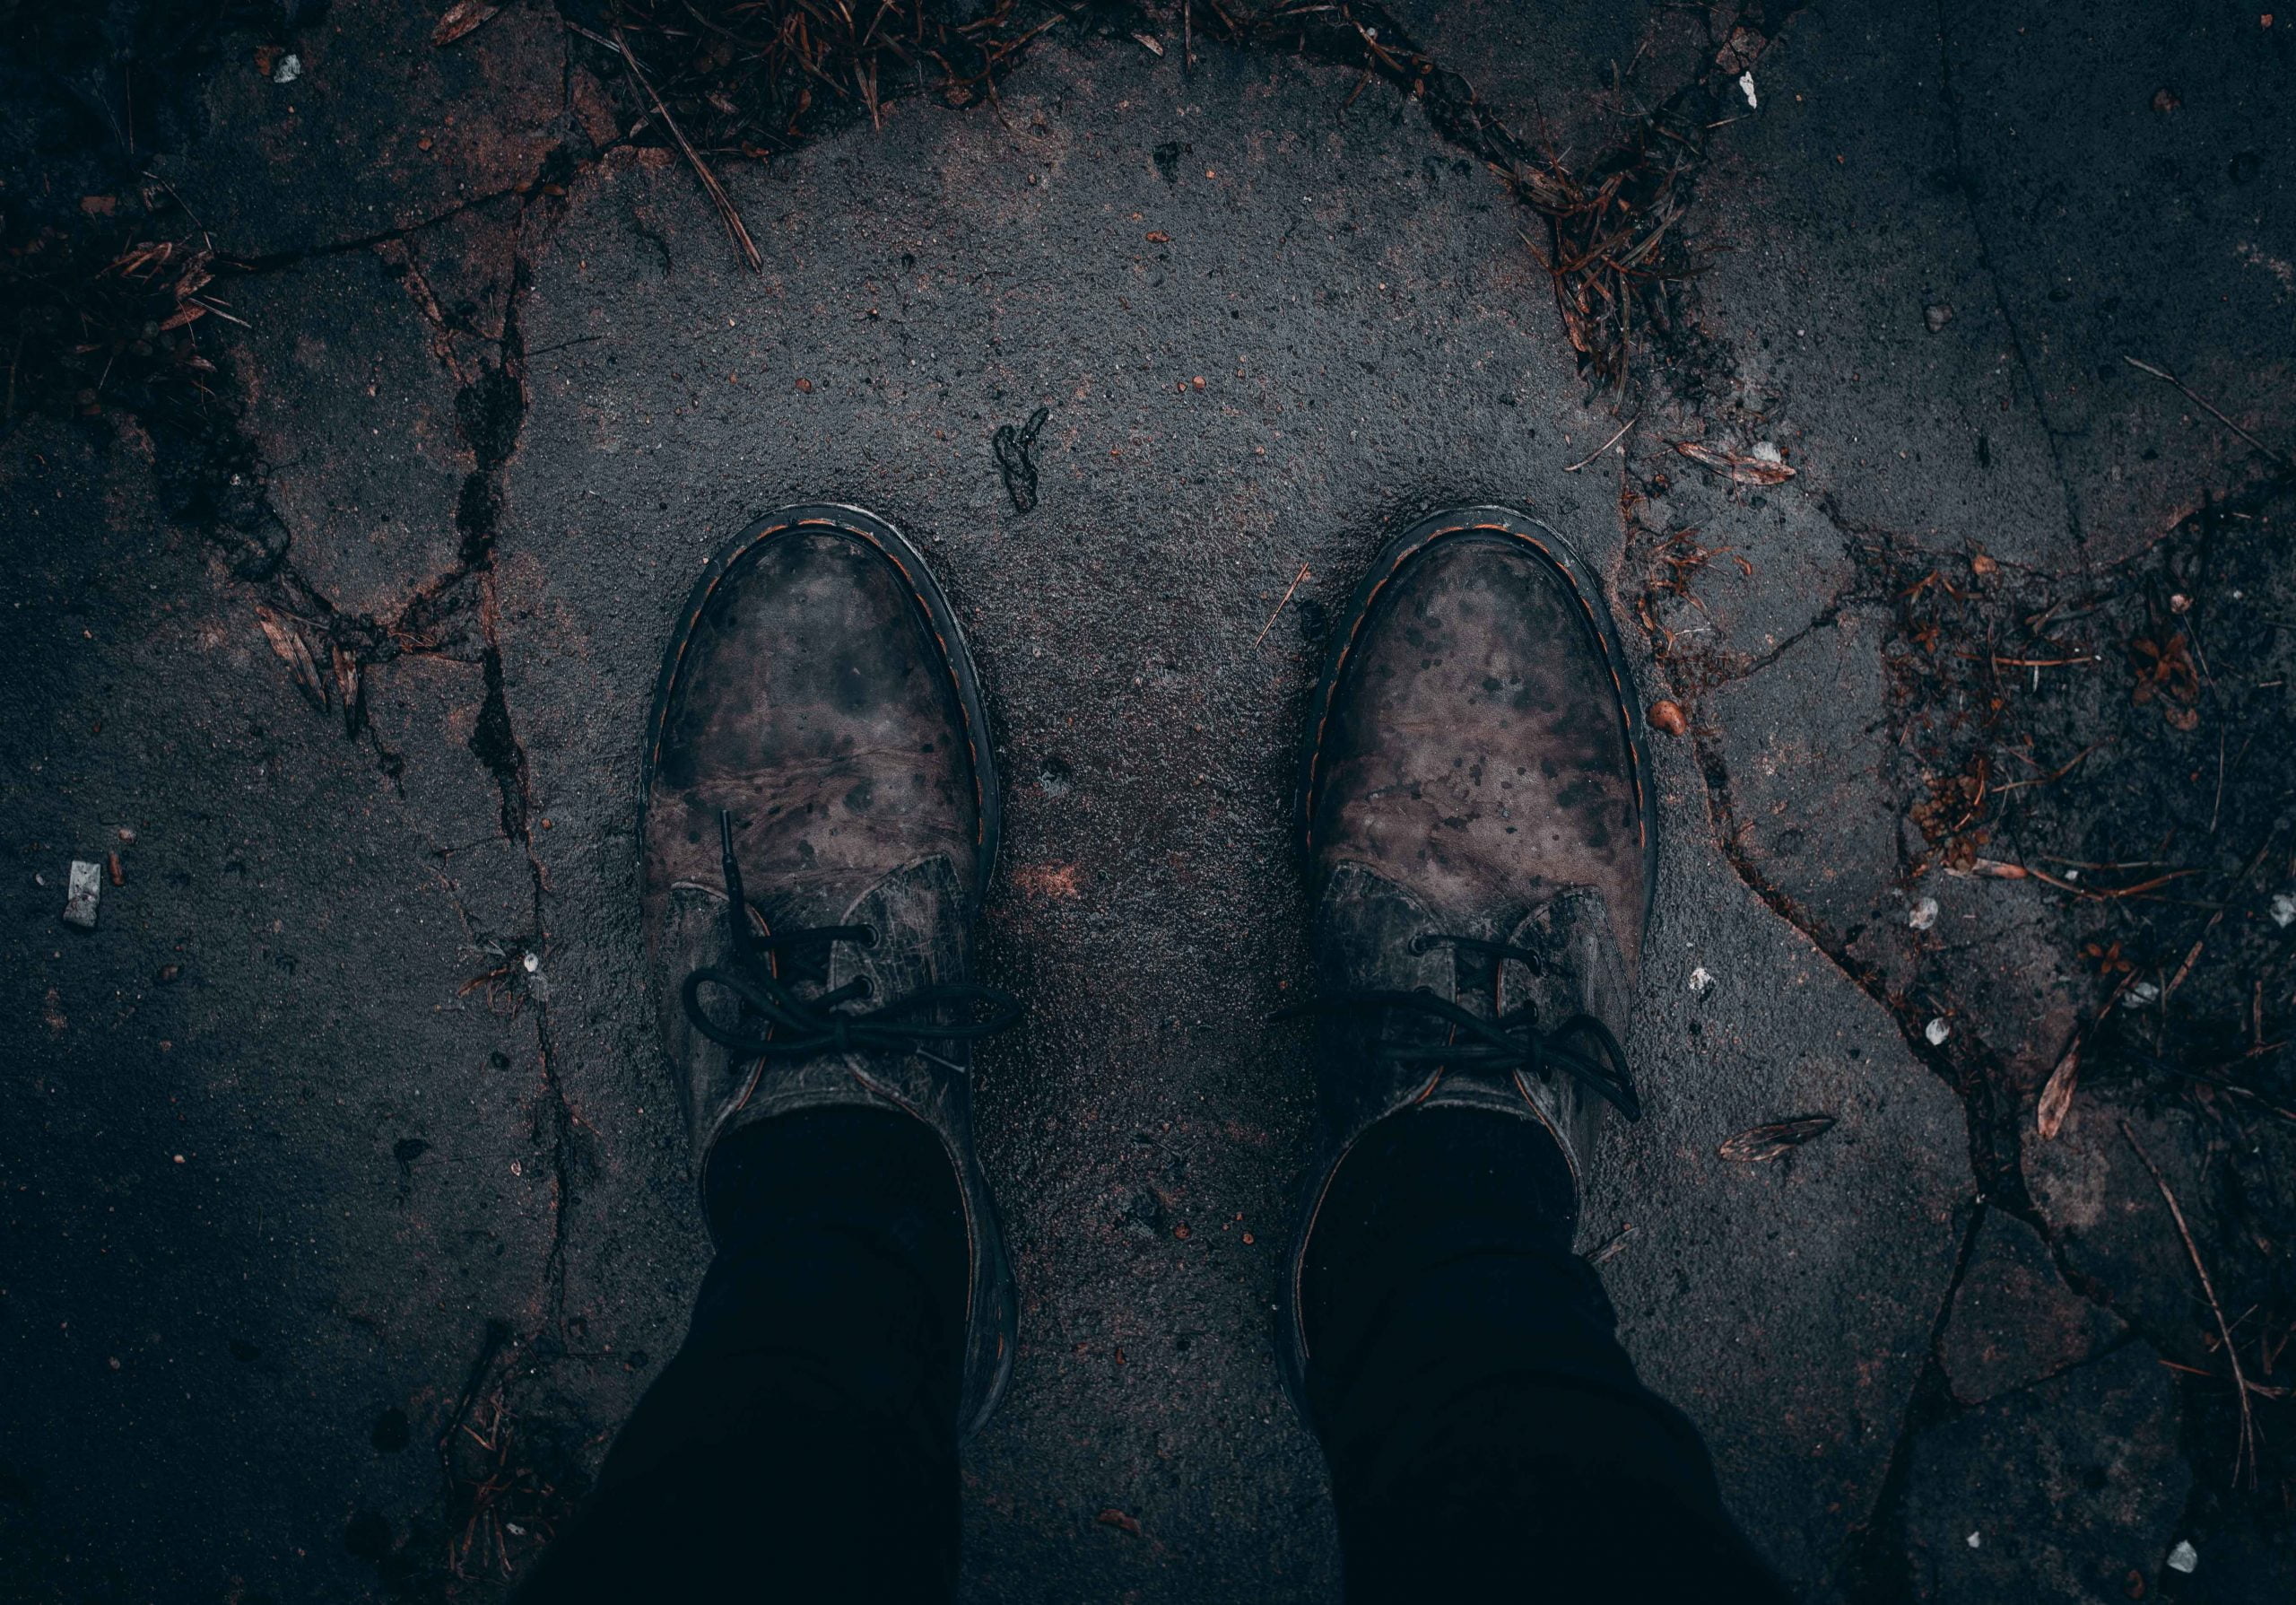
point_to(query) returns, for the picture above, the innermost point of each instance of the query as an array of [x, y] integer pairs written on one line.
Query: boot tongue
[[1374, 936], [1580, 971]]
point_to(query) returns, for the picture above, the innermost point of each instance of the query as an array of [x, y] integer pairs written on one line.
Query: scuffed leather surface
[[1473, 750], [1582, 971], [812, 701]]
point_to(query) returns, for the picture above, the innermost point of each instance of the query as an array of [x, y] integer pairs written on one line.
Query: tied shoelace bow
[[1511, 1041], [796, 1027]]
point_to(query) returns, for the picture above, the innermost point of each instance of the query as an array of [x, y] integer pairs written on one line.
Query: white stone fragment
[[2183, 1558], [1700, 982], [2284, 910], [1938, 1030], [1746, 88], [80, 896], [1924, 914]]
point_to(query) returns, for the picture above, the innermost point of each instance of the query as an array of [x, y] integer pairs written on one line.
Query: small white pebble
[[1746, 88], [2141, 994], [2183, 1558], [534, 963], [2284, 910], [517, 1169], [1938, 1030], [1767, 452], [1975, 1540], [179, 1158], [291, 68], [1700, 981], [1924, 914]]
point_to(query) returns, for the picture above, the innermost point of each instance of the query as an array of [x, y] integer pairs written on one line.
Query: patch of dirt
[[514, 1458], [2093, 900], [748, 79], [113, 302]]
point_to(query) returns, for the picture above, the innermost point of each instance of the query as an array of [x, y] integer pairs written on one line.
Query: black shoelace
[[796, 1028], [1512, 1042]]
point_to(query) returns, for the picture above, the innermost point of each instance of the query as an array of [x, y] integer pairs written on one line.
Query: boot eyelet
[[1418, 945], [868, 993], [868, 937]]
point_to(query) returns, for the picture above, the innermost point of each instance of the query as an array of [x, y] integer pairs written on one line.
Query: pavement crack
[[263, 262], [1876, 1565], [1962, 1061], [411, 277], [1705, 679], [2017, 346]]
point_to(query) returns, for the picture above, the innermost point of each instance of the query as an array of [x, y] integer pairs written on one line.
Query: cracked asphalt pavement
[[345, 1196]]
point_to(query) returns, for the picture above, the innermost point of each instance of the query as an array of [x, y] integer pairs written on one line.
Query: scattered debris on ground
[[2092, 778]]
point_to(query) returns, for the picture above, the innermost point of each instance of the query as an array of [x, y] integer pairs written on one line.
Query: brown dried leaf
[[2056, 1097], [464, 16], [346, 686], [139, 260], [1999, 868], [1734, 467], [1741, 50], [287, 641], [1118, 1520], [197, 275], [1764, 1143]]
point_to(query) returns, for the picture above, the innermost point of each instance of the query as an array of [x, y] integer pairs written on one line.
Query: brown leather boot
[[1475, 815], [820, 817]]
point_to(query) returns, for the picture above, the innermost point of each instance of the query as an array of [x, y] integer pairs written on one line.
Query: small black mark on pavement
[[1013, 447]]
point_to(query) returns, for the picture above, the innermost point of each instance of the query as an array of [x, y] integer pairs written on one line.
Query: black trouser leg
[[1487, 1436], [802, 1445]]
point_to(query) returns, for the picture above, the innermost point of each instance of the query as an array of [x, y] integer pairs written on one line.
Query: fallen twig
[[2258, 1389], [2199, 400], [2245, 1451], [1286, 597], [2216, 919], [1605, 446], [2056, 1097], [717, 191], [2055, 774], [2000, 870]]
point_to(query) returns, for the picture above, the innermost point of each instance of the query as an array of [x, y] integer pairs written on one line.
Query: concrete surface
[[312, 1172]]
